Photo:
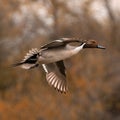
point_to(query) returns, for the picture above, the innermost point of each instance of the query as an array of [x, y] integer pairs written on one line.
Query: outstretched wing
[[55, 75], [53, 44], [30, 60], [59, 43]]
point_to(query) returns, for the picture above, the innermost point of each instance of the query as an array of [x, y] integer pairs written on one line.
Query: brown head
[[92, 44]]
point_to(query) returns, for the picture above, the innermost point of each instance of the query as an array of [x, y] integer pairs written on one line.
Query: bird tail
[[17, 64], [29, 61], [25, 65]]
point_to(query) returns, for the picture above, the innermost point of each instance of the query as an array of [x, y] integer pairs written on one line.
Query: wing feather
[[60, 42], [55, 77]]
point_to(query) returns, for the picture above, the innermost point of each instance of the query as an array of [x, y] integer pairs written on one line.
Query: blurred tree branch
[[113, 24]]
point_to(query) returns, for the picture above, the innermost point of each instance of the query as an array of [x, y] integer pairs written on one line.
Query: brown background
[[93, 75]]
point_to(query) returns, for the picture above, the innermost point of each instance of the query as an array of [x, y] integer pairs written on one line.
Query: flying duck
[[51, 57]]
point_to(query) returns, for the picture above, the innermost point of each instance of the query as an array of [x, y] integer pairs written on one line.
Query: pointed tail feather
[[25, 65], [17, 64]]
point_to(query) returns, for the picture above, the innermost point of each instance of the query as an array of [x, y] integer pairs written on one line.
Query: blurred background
[[93, 75]]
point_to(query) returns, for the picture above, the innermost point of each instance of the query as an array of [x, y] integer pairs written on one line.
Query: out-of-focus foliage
[[93, 75]]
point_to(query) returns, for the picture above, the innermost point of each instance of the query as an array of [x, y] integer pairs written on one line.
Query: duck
[[51, 57]]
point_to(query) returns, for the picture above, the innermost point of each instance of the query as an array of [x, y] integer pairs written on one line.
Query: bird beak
[[100, 47]]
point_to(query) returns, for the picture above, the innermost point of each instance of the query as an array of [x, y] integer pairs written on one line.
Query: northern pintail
[[51, 57]]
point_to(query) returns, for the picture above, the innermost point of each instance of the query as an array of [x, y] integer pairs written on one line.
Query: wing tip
[[59, 84], [62, 92]]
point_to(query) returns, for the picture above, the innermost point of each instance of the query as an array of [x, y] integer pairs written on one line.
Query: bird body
[[51, 57], [57, 54]]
